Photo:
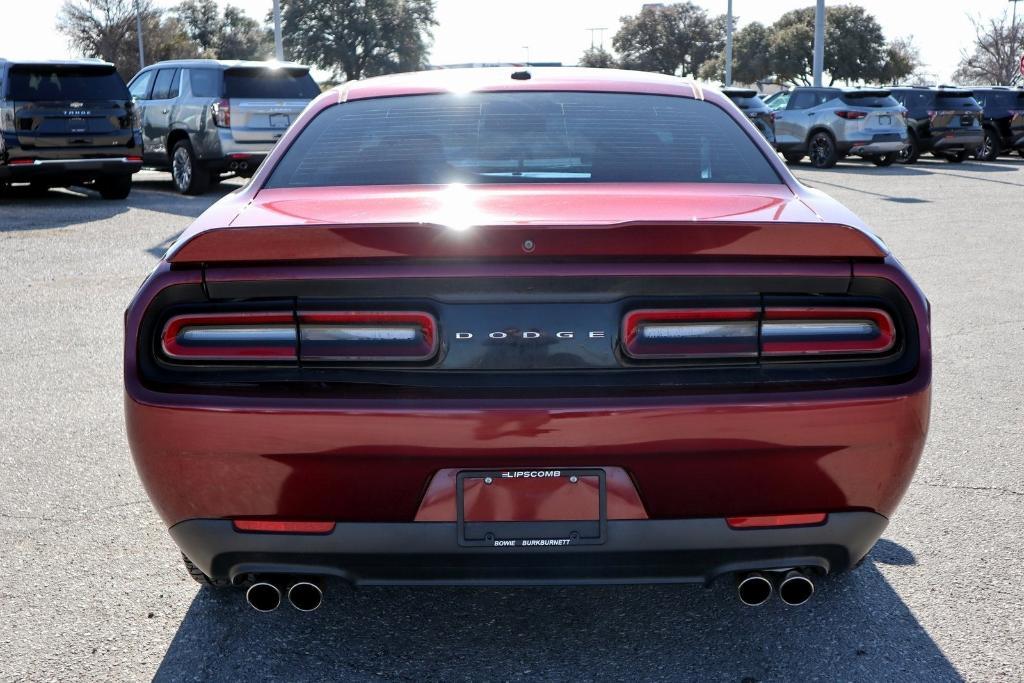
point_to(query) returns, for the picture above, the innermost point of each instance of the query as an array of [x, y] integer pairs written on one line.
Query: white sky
[[555, 30]]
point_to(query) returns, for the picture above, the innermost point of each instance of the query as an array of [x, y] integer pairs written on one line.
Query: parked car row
[[77, 123], [888, 124]]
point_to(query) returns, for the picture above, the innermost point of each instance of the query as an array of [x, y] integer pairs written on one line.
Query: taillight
[[851, 115], [691, 333], [818, 331], [347, 336], [22, 162], [221, 111], [367, 335], [752, 332], [231, 336]]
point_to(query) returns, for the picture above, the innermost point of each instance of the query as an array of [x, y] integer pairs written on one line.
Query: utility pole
[[278, 44], [1013, 39], [728, 45], [819, 42], [594, 30], [138, 32]]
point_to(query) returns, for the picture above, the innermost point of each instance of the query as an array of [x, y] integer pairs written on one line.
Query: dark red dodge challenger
[[525, 327]]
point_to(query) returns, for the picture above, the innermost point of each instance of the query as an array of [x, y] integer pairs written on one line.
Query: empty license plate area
[[547, 508]]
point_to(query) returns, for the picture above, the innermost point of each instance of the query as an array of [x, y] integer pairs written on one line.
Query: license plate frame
[[884, 120], [547, 535], [280, 120]]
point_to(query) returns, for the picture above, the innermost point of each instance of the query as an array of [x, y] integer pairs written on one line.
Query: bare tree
[[106, 29], [998, 44]]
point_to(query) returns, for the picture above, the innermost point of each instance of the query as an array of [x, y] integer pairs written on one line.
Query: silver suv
[[827, 124], [202, 118]]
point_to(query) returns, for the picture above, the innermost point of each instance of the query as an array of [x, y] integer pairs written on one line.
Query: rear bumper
[[647, 551], [69, 168], [880, 143], [957, 141]]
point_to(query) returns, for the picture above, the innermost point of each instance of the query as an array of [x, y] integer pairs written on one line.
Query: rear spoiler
[[431, 241]]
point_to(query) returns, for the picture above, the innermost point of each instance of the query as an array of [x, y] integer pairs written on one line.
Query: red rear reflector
[[822, 331], [231, 336], [277, 526], [691, 333], [239, 155], [21, 162], [367, 336], [763, 521], [134, 159]]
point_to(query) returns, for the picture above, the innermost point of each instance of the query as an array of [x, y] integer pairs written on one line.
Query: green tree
[[228, 35], [854, 45], [357, 38], [751, 62], [671, 39], [106, 29], [998, 45], [598, 58], [902, 60]]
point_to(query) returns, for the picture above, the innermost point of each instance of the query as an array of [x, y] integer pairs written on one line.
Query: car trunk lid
[[649, 221]]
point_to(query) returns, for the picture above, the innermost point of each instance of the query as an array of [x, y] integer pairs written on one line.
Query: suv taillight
[[751, 332], [221, 111], [851, 115]]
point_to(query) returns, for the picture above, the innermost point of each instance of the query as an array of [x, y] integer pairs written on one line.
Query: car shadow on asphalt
[[22, 208], [856, 627]]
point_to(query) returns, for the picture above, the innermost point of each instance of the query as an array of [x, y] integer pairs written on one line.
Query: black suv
[[944, 121], [1003, 120], [755, 109], [67, 123]]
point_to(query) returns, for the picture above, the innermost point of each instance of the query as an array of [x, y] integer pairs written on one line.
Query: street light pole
[[819, 42], [278, 44], [728, 44], [138, 33]]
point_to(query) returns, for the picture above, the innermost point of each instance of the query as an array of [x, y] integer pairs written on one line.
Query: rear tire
[[793, 157], [821, 148], [189, 176], [955, 157], [114, 186], [911, 153], [883, 159], [201, 578], [988, 150]]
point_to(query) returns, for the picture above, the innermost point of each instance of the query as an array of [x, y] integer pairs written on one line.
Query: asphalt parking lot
[[92, 587]]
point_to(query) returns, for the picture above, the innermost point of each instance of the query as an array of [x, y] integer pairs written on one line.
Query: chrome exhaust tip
[[795, 588], [263, 596], [305, 596], [754, 589]]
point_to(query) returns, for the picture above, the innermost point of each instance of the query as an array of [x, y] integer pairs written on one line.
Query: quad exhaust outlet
[[305, 596], [795, 588], [265, 595], [754, 589]]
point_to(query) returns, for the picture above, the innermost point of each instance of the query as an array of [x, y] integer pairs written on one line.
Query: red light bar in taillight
[[766, 521], [851, 115], [21, 162], [823, 331], [362, 336], [252, 336], [691, 333], [283, 526]]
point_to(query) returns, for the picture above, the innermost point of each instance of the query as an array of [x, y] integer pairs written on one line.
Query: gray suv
[[827, 124], [202, 118]]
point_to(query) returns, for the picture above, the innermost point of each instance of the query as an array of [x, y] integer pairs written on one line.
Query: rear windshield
[[267, 83], [38, 83], [522, 137], [747, 101], [1007, 99], [956, 101], [876, 99]]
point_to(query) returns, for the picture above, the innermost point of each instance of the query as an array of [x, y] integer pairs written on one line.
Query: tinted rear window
[[522, 137], [869, 99], [1003, 100], [88, 84], [956, 101], [274, 84]]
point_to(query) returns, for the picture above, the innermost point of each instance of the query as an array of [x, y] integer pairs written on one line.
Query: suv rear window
[[522, 137], [956, 100], [268, 83], [31, 83], [869, 99]]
